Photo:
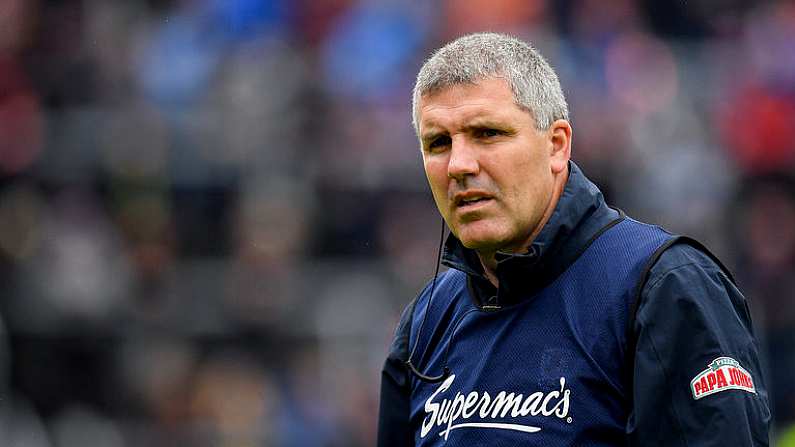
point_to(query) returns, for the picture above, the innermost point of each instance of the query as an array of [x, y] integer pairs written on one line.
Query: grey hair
[[474, 57]]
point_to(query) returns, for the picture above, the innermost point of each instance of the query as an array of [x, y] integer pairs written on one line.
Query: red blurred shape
[[466, 16], [758, 127], [21, 120]]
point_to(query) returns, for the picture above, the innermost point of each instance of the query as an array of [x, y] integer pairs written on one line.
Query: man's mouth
[[471, 202], [471, 199]]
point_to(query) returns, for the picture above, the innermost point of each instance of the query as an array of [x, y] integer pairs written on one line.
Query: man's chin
[[487, 241], [481, 235], [481, 243]]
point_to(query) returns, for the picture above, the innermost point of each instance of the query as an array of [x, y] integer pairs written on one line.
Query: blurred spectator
[[765, 234], [365, 55], [233, 402], [78, 272]]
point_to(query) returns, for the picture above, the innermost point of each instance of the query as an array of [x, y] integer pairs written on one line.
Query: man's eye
[[439, 142], [489, 133]]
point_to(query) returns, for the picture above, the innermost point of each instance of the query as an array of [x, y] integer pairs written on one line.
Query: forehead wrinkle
[[452, 108]]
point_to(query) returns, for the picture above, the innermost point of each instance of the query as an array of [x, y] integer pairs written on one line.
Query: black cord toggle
[[429, 379]]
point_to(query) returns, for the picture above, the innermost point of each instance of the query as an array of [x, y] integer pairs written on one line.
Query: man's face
[[492, 173]]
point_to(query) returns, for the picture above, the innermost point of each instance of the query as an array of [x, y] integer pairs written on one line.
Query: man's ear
[[560, 137]]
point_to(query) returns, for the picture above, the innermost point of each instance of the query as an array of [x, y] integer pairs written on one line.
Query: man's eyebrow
[[480, 123], [432, 135]]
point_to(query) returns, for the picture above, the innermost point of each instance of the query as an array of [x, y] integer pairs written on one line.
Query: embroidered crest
[[723, 373]]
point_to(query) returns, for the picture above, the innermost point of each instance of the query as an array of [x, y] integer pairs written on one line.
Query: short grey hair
[[474, 57]]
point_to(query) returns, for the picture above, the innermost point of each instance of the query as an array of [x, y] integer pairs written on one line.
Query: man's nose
[[463, 160]]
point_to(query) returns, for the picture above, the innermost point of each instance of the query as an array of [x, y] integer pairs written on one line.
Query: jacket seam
[[707, 268], [664, 274]]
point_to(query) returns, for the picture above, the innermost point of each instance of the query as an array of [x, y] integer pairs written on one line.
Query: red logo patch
[[723, 373]]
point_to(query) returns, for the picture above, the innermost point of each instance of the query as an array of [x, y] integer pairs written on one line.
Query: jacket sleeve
[[394, 428], [691, 313]]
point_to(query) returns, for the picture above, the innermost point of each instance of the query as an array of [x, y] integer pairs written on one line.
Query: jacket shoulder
[[684, 253]]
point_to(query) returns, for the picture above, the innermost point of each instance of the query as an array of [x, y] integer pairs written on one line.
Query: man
[[561, 322]]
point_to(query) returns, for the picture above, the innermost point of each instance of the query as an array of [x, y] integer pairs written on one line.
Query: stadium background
[[212, 212]]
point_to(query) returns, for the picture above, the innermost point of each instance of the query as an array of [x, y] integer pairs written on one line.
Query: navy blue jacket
[[649, 330]]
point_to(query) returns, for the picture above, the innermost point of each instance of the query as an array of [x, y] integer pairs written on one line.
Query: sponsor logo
[[455, 413], [723, 373]]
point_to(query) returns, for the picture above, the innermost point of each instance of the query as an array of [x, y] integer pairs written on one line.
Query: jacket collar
[[579, 215]]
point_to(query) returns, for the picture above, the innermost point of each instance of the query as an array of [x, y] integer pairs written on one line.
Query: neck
[[487, 258]]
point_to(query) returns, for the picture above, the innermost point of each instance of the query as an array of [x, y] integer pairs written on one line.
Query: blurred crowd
[[213, 211]]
